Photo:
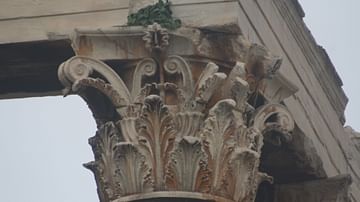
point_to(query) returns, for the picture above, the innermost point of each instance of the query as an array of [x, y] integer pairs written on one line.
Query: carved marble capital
[[176, 123]]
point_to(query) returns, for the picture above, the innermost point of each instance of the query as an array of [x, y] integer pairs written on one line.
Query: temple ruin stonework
[[206, 100]]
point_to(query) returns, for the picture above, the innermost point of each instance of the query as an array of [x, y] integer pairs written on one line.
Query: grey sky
[[335, 25], [43, 141]]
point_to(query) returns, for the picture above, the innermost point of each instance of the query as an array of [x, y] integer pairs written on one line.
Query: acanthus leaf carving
[[196, 96], [99, 84], [210, 69], [206, 91], [187, 169], [119, 166], [239, 87], [156, 136], [133, 174], [220, 141], [104, 166], [189, 123], [209, 81], [242, 174]]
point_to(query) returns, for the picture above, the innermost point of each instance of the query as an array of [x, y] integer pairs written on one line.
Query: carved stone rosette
[[177, 128]]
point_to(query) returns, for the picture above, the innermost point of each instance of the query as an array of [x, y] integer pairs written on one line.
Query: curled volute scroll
[[76, 75], [177, 65], [146, 67], [78, 68], [275, 119]]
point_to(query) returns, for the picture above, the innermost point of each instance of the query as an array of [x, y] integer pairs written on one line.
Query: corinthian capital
[[179, 122]]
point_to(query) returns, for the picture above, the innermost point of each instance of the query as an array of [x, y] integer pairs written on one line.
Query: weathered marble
[[221, 42], [166, 129]]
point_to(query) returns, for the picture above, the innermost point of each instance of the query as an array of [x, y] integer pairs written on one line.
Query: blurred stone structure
[[238, 104]]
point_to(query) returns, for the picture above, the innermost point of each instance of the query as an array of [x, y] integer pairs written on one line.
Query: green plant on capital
[[159, 13]]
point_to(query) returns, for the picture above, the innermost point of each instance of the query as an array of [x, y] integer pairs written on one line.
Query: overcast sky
[[335, 26], [46, 138]]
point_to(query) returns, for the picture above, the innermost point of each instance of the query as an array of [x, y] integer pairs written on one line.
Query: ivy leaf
[[159, 13]]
